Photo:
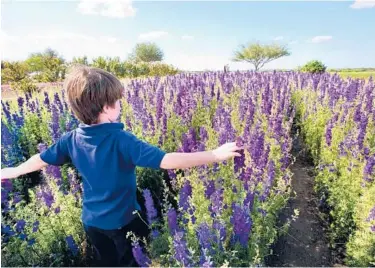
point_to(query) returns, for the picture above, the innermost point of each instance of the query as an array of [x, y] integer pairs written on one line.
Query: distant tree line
[[49, 66]]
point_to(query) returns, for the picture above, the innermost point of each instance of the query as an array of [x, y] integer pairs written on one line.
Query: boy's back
[[106, 156]]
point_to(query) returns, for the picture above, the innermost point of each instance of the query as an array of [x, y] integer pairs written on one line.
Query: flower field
[[217, 215], [337, 119]]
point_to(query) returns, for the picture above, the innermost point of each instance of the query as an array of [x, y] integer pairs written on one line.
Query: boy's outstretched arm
[[33, 164], [188, 160]]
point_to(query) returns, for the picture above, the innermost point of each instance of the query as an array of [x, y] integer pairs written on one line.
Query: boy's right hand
[[226, 151], [188, 160]]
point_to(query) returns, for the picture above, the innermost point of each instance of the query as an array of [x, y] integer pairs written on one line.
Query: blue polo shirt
[[105, 156]]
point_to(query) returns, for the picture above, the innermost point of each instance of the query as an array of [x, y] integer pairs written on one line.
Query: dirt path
[[305, 244]]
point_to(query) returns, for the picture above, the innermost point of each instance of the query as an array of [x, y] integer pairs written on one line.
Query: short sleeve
[[143, 154], [58, 153]]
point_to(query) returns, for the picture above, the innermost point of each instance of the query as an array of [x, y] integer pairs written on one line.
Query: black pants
[[112, 247]]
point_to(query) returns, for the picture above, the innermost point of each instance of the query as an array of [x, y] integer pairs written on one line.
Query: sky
[[194, 35]]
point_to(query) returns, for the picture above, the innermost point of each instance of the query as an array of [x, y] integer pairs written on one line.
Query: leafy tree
[[100, 62], [50, 66], [314, 66], [13, 71], [146, 52], [259, 54], [112, 65], [25, 85], [115, 66], [81, 60]]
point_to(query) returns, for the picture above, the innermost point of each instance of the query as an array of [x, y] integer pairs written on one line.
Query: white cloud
[[107, 8], [152, 35], [278, 38], [358, 4], [187, 37], [110, 39], [321, 38], [293, 42], [68, 44]]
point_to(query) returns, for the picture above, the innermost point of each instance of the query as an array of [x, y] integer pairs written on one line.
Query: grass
[[362, 75]]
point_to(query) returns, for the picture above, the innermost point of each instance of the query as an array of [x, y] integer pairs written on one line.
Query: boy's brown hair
[[89, 90]]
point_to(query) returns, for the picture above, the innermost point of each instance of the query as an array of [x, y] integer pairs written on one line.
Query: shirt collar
[[99, 128]]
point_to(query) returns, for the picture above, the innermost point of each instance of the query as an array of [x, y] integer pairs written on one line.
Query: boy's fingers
[[237, 148]]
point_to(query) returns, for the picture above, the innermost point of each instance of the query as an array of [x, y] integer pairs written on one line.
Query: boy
[[106, 156]]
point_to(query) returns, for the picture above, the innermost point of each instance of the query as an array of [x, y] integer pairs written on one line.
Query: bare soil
[[306, 243]]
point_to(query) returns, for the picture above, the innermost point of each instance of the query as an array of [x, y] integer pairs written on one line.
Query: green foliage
[[146, 52], [162, 69], [50, 248], [49, 66], [131, 69], [260, 54], [100, 62], [13, 71], [361, 245], [314, 66], [153, 180], [24, 85], [80, 60]]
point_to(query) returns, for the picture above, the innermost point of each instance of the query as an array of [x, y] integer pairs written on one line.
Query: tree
[[100, 62], [115, 66], [314, 66], [13, 71], [146, 52], [259, 55], [81, 60], [48, 64]]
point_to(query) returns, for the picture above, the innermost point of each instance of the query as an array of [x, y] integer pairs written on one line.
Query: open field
[[231, 206], [362, 75]]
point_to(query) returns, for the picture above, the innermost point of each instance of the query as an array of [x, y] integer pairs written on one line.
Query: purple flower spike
[[151, 211], [185, 194], [181, 250], [172, 220], [242, 224], [140, 257]]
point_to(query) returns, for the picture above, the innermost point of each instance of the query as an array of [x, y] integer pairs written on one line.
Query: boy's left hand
[[9, 173], [34, 163]]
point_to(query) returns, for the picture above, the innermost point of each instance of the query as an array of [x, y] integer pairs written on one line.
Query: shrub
[[26, 85], [314, 66]]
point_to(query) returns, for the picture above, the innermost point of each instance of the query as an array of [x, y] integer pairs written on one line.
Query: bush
[[25, 85], [13, 71], [314, 66], [162, 69], [143, 69]]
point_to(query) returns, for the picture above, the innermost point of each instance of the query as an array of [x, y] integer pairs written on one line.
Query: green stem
[[143, 220]]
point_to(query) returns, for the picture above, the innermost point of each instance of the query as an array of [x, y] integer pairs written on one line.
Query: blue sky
[[193, 35]]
